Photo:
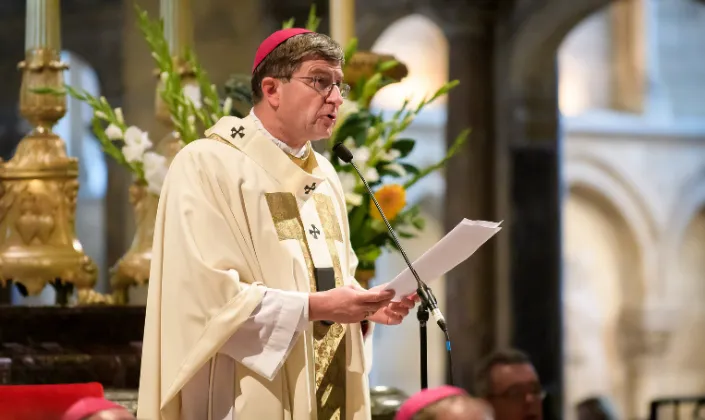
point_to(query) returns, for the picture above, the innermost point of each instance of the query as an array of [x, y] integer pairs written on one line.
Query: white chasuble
[[243, 231]]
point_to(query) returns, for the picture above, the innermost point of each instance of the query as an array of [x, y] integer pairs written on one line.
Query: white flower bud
[[118, 116]]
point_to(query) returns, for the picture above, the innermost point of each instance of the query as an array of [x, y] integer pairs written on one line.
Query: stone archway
[[597, 250], [609, 256]]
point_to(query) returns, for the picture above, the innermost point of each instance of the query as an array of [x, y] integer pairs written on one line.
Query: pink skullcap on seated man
[[96, 409], [443, 403]]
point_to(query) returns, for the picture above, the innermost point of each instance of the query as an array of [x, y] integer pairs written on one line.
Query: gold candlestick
[[342, 21], [39, 185]]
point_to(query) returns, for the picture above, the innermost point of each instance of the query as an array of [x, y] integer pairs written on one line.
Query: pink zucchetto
[[273, 41], [424, 398]]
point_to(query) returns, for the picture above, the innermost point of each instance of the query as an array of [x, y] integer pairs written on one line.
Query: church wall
[[648, 167], [679, 46], [658, 354]]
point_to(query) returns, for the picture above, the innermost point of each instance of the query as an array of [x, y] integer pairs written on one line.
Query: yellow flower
[[392, 199]]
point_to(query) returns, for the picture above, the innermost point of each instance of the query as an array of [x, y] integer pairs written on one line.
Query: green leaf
[[454, 149], [313, 20], [350, 49], [404, 146], [383, 66], [444, 90], [410, 169], [369, 253], [419, 223], [48, 91], [355, 126], [288, 23], [371, 87]]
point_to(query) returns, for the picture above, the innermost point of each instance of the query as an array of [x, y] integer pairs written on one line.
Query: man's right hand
[[347, 304]]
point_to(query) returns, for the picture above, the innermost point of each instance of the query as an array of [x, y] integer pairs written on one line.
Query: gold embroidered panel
[[329, 340]]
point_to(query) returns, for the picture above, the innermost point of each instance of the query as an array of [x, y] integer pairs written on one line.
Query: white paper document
[[457, 246]]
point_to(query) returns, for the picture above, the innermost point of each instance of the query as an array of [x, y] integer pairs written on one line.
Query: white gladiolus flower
[[136, 142], [391, 155], [371, 175], [227, 106], [349, 182], [118, 116], [362, 155], [113, 132], [155, 170], [353, 199], [193, 93]]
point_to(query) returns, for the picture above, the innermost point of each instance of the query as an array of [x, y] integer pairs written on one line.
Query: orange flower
[[392, 199]]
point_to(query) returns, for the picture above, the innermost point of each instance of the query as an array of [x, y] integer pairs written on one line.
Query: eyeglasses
[[324, 85]]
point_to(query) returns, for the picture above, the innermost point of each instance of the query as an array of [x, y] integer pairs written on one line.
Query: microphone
[[424, 292]]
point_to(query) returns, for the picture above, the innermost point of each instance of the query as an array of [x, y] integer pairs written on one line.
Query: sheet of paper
[[457, 246]]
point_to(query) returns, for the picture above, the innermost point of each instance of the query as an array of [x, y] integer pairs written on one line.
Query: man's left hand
[[394, 312]]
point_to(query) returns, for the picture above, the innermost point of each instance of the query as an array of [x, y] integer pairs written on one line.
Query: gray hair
[[288, 56], [483, 385]]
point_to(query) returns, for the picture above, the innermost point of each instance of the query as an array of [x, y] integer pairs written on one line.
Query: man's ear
[[271, 91]]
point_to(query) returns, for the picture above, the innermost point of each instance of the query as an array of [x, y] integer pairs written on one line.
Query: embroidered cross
[[314, 231], [308, 189], [237, 131]]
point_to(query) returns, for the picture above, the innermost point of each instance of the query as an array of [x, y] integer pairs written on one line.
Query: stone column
[[530, 196], [470, 190]]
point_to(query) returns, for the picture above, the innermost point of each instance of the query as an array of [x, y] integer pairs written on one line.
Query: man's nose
[[335, 96]]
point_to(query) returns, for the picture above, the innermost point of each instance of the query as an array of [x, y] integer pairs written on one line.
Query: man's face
[[307, 108], [516, 392]]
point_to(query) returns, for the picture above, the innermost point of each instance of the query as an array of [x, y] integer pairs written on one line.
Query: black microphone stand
[[422, 315], [423, 291], [428, 300]]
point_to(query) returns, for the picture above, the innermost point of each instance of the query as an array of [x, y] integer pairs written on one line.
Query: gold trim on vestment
[[307, 162], [329, 344]]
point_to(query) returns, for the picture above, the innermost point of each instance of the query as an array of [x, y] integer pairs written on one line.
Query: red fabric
[[273, 41], [43, 402], [424, 398], [87, 406]]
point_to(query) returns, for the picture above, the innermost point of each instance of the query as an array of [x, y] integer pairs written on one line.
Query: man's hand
[[347, 304], [394, 312]]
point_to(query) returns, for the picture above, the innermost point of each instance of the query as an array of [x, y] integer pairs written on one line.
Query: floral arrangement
[[379, 151], [192, 103]]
